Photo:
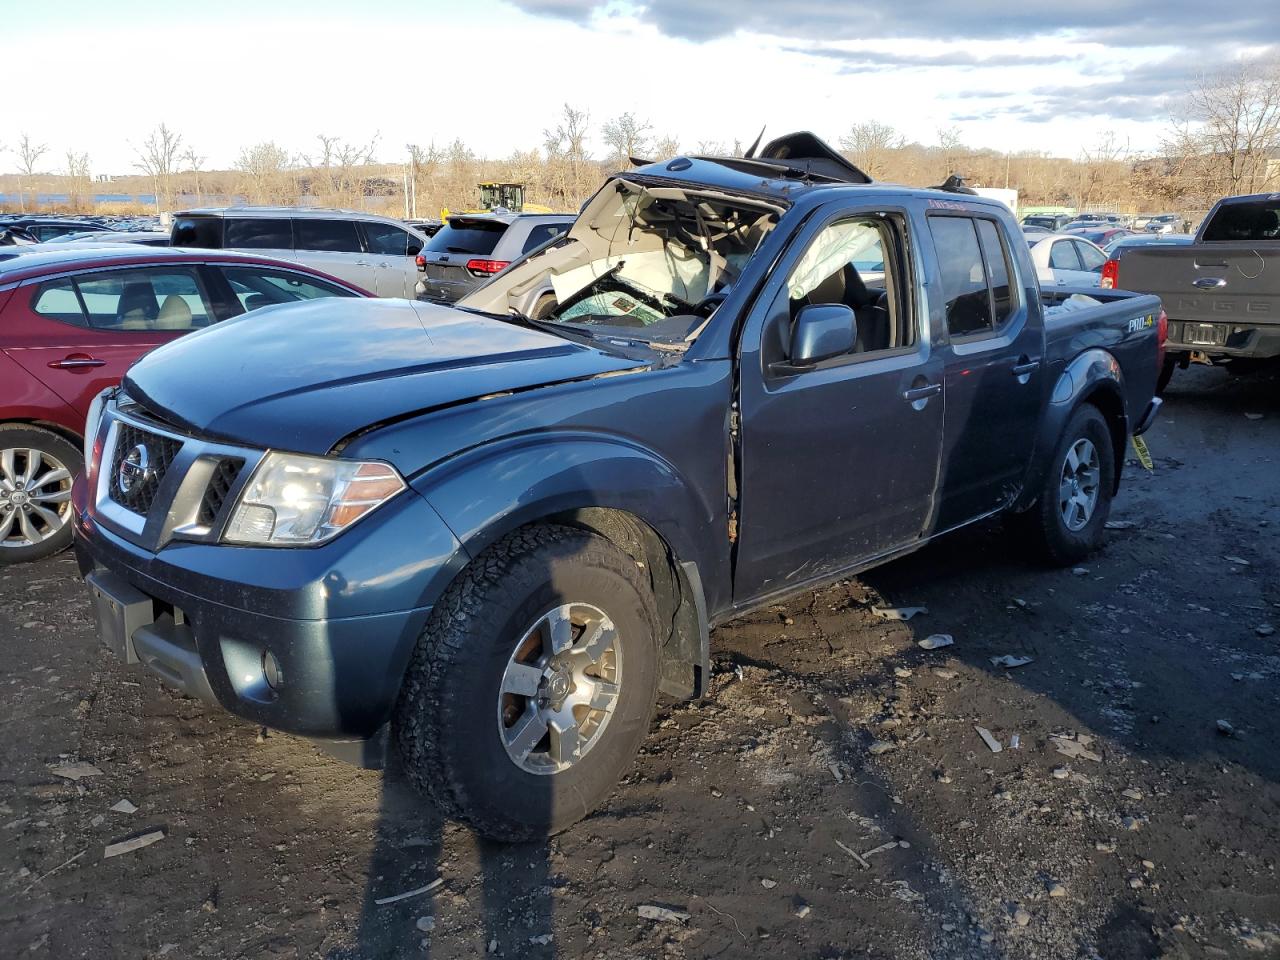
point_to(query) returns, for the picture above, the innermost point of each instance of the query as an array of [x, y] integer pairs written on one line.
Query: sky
[[495, 73]]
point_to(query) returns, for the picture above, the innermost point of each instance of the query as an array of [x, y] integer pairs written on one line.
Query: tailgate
[[1208, 283]]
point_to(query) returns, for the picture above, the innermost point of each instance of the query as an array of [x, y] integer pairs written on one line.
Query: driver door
[[839, 462]]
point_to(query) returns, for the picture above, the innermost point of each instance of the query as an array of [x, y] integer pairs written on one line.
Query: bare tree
[[29, 154], [335, 174], [627, 137], [666, 147], [266, 168], [1233, 118], [158, 158], [78, 173], [566, 148], [1104, 172], [870, 145], [194, 164]]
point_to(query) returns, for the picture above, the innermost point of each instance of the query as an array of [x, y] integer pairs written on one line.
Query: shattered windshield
[[642, 263]]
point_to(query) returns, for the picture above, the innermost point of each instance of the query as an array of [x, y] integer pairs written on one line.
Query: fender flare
[[488, 492], [1095, 377]]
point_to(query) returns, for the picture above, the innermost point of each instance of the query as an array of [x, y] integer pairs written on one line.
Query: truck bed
[[1122, 324]]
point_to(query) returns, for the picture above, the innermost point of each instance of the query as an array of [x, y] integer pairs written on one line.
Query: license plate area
[[120, 610], [1204, 334]]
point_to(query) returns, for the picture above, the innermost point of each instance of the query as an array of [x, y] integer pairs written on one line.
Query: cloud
[[1115, 23], [861, 60]]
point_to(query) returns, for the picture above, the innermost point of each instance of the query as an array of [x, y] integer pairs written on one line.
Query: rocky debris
[[123, 806], [936, 641], [989, 740], [1077, 747], [394, 898], [1264, 630], [426, 924], [881, 746], [767, 883], [803, 911], [1225, 728], [898, 613], [1238, 561], [1080, 571], [1120, 524], [1009, 662], [661, 914], [1057, 889], [132, 844], [1021, 917], [76, 771], [1131, 794], [1060, 773]]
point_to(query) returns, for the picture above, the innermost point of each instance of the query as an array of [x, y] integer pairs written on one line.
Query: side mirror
[[413, 250], [822, 331]]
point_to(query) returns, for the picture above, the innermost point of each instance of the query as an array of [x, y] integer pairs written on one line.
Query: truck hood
[[304, 376]]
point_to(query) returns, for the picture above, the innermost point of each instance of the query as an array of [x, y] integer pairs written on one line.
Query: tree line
[[1224, 139]]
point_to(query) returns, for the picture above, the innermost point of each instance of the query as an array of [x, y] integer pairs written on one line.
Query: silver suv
[[471, 248], [375, 253]]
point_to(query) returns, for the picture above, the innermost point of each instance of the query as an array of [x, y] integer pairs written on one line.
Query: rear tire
[[471, 743], [1165, 375], [37, 467], [546, 303], [1068, 520]]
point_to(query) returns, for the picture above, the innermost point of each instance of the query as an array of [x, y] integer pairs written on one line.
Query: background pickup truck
[[497, 539], [1222, 292]]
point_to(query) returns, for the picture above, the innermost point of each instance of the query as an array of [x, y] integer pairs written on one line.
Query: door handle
[[916, 394], [75, 363], [1023, 367], [363, 263], [1209, 283]]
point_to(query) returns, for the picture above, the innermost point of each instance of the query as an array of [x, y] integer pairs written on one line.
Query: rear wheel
[[36, 471], [546, 303], [532, 685], [1165, 375], [1068, 521]]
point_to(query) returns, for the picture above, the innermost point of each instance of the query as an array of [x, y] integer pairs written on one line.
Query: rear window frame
[[438, 242], [1271, 202]]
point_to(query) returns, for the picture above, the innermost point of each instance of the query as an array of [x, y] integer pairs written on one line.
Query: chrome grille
[[152, 454]]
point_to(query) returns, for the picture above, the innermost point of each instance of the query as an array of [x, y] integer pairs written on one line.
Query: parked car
[[1097, 236], [72, 320], [500, 559], [1164, 223], [372, 252], [471, 248], [145, 238], [1117, 247], [1222, 289], [1063, 259], [49, 228], [1048, 222]]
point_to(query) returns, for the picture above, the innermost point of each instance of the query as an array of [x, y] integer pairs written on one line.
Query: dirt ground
[[831, 799]]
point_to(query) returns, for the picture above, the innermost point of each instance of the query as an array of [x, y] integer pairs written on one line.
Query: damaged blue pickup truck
[[489, 541]]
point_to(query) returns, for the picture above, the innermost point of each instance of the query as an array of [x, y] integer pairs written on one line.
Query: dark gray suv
[[471, 248]]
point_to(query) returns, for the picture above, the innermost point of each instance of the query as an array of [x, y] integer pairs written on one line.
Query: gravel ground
[[831, 798]]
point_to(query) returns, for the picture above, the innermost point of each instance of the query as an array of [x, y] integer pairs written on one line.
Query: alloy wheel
[[560, 688], [35, 497], [1079, 486]]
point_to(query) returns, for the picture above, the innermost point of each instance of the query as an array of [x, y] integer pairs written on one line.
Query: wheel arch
[[623, 493], [1094, 377]]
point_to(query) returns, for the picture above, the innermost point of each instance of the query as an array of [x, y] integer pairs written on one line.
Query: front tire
[[36, 471], [1068, 520], [532, 685]]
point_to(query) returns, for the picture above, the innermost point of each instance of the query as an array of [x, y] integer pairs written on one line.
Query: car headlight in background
[[295, 500]]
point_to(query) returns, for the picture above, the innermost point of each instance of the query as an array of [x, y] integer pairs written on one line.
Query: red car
[[71, 322]]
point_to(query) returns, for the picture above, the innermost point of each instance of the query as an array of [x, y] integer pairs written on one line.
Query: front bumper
[[310, 641]]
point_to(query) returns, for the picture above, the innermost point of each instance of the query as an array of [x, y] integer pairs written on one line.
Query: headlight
[[293, 500], [91, 424]]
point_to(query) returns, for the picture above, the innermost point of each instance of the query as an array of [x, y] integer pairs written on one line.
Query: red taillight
[[487, 268], [1162, 335], [421, 261], [1110, 275]]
